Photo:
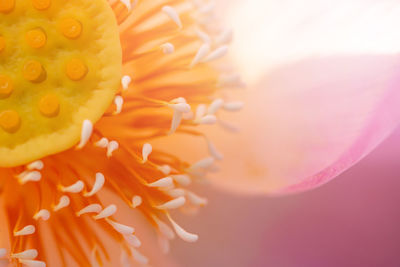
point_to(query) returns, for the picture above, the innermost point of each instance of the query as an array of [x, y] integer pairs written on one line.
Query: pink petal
[[308, 122], [327, 94]]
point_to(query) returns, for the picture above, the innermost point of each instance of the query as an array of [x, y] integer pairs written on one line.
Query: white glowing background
[[273, 32]]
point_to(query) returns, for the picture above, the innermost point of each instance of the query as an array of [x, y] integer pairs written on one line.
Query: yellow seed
[[71, 28], [33, 71], [2, 43], [76, 69], [10, 121], [6, 86], [6, 6], [41, 4], [36, 38], [49, 105]]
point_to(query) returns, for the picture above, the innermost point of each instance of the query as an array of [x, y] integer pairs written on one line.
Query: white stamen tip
[[75, 188], [103, 143], [173, 15], [33, 176], [139, 257], [201, 53], [183, 234], [87, 129], [165, 230], [127, 3], [42, 214], [228, 126], [164, 244], [207, 8], [92, 208], [203, 36], [195, 199], [107, 212], [146, 151], [125, 260], [165, 169], [208, 119], [136, 201], [29, 254], [32, 263], [176, 121], [27, 230], [217, 54], [36, 165], [215, 106], [203, 164], [182, 179], [176, 192], [200, 112], [133, 240], [126, 81], [213, 151], [225, 37], [121, 228], [64, 202], [231, 80], [181, 107], [163, 182], [3, 252], [233, 106], [172, 204], [178, 100], [168, 48], [119, 102], [112, 146], [98, 184]]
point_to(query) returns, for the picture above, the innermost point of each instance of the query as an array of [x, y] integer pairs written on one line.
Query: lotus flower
[[86, 139]]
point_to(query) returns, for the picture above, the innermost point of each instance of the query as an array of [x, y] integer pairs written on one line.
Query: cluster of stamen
[[155, 182]]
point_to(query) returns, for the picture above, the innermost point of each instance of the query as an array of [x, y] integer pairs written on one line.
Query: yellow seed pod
[[66, 62]]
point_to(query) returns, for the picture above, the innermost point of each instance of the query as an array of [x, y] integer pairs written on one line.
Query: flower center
[[60, 64]]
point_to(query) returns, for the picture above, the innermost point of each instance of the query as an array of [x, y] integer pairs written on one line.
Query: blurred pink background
[[353, 220]]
